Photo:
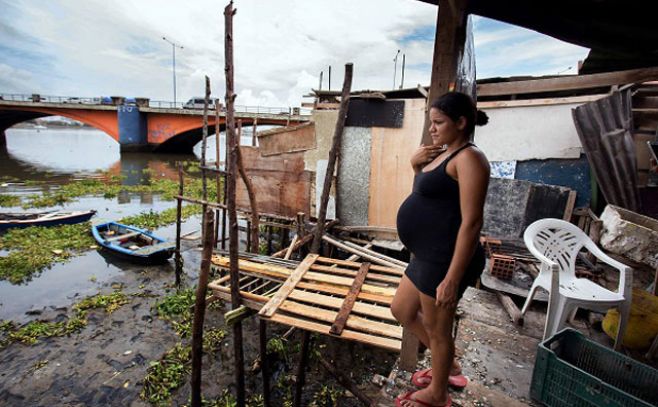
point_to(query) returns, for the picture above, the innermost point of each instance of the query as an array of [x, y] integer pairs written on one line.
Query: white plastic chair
[[556, 244]]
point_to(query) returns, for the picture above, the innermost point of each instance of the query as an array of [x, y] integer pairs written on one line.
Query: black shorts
[[427, 275]]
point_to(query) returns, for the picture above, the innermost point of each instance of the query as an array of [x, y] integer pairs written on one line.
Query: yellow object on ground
[[642, 326]]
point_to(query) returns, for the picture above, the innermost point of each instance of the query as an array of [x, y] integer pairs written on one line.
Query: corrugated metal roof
[[605, 131]]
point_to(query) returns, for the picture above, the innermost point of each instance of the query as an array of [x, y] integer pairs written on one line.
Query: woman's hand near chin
[[424, 155]]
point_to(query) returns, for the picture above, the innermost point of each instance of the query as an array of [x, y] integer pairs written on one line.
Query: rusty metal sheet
[[281, 184], [287, 139]]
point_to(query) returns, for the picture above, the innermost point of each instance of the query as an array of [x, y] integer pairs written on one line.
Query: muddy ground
[[105, 364]]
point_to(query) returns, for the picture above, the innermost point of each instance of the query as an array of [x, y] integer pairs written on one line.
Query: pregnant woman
[[440, 225]]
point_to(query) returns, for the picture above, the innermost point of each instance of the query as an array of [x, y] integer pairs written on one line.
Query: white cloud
[[94, 47]]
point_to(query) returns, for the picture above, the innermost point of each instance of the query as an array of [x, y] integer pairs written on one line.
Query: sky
[[93, 48]]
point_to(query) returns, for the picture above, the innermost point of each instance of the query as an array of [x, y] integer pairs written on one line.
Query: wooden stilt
[[218, 175], [301, 369], [333, 156], [204, 144], [253, 132], [264, 364], [248, 236], [232, 170], [269, 239], [200, 310], [345, 382], [179, 212], [409, 351]]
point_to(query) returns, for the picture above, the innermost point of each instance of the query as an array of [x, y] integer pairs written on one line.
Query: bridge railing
[[157, 104], [37, 98]]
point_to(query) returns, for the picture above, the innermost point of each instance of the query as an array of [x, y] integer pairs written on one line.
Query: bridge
[[138, 124]]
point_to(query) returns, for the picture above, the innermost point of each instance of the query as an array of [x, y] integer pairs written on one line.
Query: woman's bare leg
[[438, 322], [406, 308]]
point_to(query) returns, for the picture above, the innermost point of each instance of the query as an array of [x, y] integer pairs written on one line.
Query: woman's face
[[443, 129]]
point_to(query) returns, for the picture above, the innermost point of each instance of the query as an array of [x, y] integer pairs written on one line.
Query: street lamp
[[395, 67], [173, 49]]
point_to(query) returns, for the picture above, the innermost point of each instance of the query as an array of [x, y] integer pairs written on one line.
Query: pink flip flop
[[458, 381], [407, 397]]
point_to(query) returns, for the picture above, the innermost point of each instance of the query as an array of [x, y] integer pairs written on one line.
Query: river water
[[36, 160]]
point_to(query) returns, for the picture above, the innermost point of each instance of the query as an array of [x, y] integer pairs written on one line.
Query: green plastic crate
[[573, 371]]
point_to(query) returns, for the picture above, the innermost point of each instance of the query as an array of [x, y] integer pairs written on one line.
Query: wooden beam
[[232, 168], [575, 82], [333, 157], [448, 46], [295, 277], [386, 343], [350, 298], [200, 309]]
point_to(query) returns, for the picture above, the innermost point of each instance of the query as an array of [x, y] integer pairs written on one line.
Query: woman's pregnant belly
[[428, 227]]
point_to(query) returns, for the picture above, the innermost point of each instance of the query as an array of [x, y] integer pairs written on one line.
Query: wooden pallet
[[343, 299]]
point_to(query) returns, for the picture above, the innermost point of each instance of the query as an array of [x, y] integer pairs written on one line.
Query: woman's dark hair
[[457, 104]]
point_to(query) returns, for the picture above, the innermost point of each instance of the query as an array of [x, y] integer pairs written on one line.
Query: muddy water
[[106, 363]]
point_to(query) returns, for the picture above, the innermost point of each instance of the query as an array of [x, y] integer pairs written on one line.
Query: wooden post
[[217, 176], [204, 144], [179, 214], [409, 351], [333, 156], [301, 369], [264, 367], [269, 239], [301, 231], [322, 213], [232, 164], [200, 310], [253, 130], [448, 46], [345, 382], [225, 201]]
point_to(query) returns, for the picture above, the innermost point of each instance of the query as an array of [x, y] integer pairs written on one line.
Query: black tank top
[[429, 219]]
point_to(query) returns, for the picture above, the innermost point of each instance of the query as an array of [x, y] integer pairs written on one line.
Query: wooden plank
[[353, 273], [332, 289], [368, 292], [391, 175], [295, 277], [287, 140], [538, 102], [348, 303], [386, 343], [374, 259], [124, 236], [357, 323], [360, 307], [511, 308], [396, 262], [282, 176], [568, 82], [374, 267], [571, 203], [344, 281]]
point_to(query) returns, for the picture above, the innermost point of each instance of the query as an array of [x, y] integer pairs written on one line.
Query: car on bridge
[[198, 103]]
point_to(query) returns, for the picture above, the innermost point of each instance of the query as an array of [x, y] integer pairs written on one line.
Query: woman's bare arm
[[473, 174]]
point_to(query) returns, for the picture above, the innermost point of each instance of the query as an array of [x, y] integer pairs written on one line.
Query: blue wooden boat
[[52, 218], [132, 243]]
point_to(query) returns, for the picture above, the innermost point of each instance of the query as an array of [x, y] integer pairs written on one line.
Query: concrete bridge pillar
[[133, 134]]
